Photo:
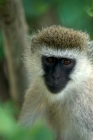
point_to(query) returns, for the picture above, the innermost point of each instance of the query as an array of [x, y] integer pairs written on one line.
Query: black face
[[57, 71]]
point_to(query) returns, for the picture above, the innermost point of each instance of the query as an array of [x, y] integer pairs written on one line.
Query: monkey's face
[[56, 72]]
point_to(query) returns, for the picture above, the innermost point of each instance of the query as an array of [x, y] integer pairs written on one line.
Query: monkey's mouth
[[54, 88]]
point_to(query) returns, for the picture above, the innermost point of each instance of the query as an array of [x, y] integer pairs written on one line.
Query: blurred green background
[[77, 14]]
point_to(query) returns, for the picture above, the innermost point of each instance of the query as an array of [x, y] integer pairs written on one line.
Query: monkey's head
[[59, 56]]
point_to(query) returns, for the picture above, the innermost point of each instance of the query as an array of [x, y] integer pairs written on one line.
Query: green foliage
[[89, 8], [10, 130], [89, 11], [35, 8], [71, 13]]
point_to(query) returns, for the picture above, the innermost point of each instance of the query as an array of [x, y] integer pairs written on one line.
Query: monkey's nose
[[55, 76]]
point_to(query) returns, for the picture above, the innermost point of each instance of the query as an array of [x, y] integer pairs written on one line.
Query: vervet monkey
[[59, 61]]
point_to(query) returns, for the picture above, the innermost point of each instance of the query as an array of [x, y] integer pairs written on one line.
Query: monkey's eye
[[66, 61], [50, 59]]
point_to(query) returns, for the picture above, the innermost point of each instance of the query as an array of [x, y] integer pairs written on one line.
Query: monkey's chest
[[57, 117]]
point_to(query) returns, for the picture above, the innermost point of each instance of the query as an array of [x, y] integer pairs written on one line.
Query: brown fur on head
[[60, 37]]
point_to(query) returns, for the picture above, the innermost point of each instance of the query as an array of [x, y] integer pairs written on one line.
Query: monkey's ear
[[90, 50], [32, 43], [29, 48]]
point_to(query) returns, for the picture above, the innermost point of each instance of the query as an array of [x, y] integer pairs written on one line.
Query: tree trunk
[[14, 30]]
